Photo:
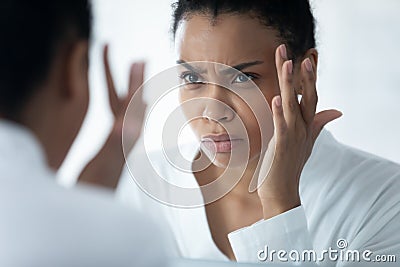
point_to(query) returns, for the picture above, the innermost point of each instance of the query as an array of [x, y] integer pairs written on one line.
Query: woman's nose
[[217, 105]]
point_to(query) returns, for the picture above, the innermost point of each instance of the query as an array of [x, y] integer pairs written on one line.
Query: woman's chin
[[238, 157], [227, 160]]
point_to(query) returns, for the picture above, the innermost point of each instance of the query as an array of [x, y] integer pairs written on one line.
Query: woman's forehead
[[228, 39]]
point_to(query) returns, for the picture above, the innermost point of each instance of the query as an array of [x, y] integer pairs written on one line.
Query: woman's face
[[232, 40]]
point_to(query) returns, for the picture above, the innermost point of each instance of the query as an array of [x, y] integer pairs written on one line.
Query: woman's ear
[[76, 77], [312, 54], [73, 65]]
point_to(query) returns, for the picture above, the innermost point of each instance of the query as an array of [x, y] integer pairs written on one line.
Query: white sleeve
[[287, 231], [262, 241]]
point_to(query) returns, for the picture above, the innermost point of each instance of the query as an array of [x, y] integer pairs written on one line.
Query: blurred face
[[230, 113]]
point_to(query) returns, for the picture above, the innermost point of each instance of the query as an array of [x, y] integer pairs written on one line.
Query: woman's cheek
[[254, 135], [260, 123], [191, 107]]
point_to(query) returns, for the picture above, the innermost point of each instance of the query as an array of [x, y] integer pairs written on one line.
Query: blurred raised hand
[[106, 167]]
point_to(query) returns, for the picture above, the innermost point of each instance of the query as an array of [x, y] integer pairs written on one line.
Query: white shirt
[[348, 196], [43, 224]]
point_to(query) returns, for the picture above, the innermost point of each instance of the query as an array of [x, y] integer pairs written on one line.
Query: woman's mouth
[[220, 143]]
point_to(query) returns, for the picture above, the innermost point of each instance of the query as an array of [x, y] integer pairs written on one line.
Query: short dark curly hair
[[31, 34], [292, 19]]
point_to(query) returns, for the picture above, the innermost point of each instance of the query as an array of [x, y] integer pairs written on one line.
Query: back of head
[[32, 33]]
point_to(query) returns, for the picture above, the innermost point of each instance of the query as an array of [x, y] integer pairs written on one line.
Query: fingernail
[[278, 101], [134, 67], [283, 51], [290, 67], [138, 66], [308, 65]]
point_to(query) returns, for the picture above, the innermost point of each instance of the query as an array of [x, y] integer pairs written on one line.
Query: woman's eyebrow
[[230, 70], [241, 66], [189, 66]]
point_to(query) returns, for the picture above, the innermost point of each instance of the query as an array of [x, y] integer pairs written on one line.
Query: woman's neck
[[248, 177]]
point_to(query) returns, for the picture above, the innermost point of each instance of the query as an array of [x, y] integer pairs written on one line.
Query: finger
[[309, 98], [278, 117], [322, 118], [280, 58], [137, 107], [290, 104], [284, 68], [112, 94], [133, 124], [136, 77]]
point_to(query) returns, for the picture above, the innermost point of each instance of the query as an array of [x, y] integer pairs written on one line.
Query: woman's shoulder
[[332, 157], [349, 192], [368, 164], [339, 176]]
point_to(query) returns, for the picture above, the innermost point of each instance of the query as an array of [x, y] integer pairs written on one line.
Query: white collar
[[324, 146], [19, 145]]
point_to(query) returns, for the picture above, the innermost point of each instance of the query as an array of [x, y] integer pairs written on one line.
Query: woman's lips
[[221, 143]]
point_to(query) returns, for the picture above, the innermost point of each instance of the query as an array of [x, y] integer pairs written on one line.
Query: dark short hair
[[31, 34], [292, 19]]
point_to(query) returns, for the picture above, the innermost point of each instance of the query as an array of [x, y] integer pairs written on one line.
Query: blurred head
[[244, 35], [44, 69]]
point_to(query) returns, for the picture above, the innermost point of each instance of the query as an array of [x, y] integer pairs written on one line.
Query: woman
[[317, 193]]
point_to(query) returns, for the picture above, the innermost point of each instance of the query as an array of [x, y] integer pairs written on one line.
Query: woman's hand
[[119, 105], [106, 167], [296, 129]]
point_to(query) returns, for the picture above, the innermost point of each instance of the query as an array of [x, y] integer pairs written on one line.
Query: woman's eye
[[242, 78], [191, 78]]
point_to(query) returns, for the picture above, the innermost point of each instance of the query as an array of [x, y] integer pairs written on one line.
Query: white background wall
[[358, 72]]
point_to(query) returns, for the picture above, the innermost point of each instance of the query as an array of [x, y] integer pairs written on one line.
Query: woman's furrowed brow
[[189, 66], [229, 70], [241, 66]]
